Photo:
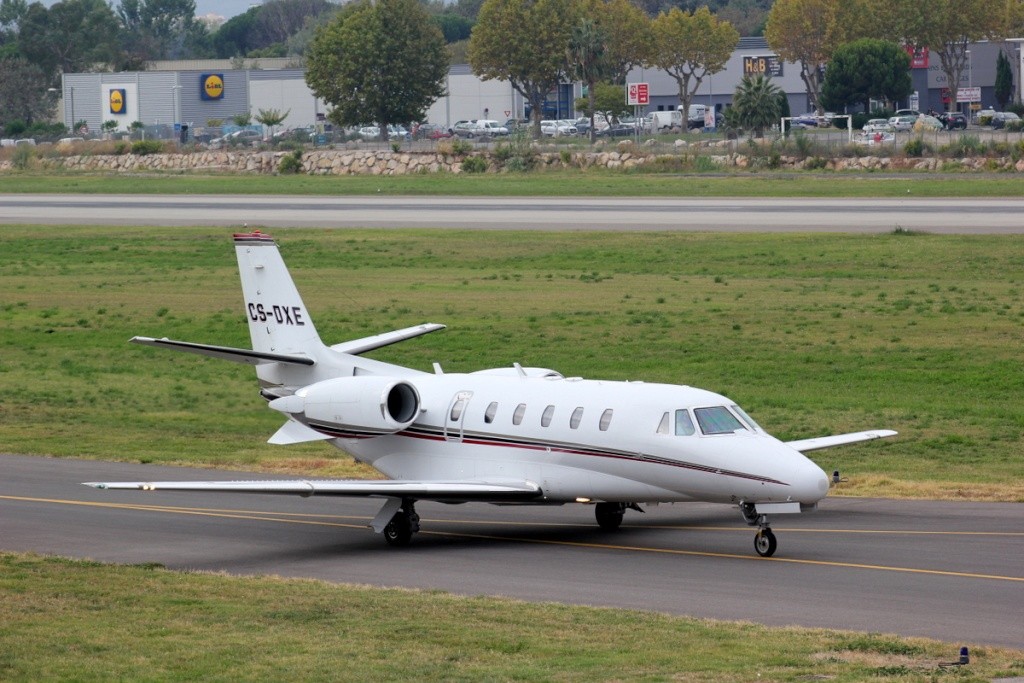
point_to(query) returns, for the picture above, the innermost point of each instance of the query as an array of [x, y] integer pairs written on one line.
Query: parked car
[[808, 120], [952, 120], [552, 128], [982, 115], [487, 128], [1001, 119], [617, 130], [369, 133], [907, 112], [902, 123], [463, 129], [429, 131], [877, 125]]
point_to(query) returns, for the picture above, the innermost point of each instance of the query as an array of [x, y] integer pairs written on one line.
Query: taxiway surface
[[939, 215], [946, 570]]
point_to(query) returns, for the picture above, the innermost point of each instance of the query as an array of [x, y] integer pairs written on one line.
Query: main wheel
[[765, 543], [609, 515], [398, 532]]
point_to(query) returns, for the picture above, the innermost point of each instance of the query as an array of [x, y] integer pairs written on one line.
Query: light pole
[[970, 80], [72, 101]]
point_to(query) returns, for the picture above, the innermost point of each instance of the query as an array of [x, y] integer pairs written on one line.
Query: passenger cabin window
[[717, 420], [684, 424], [577, 416], [606, 419], [545, 419], [517, 416], [491, 411], [457, 409]]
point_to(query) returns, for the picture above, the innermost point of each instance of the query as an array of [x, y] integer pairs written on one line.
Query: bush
[[291, 163], [144, 147], [916, 147], [816, 164], [22, 157], [121, 147], [474, 164], [461, 147]]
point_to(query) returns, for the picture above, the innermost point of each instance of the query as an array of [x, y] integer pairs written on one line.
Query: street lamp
[[66, 101]]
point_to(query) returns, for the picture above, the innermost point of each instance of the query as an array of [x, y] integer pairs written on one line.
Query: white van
[[658, 121]]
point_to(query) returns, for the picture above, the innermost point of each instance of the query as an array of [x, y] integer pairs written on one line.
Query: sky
[[225, 8]]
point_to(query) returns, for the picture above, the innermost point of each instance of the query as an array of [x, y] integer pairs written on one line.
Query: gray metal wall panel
[[198, 111], [279, 75], [156, 97], [83, 98]]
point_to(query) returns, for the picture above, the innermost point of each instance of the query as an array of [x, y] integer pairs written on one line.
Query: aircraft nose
[[811, 485]]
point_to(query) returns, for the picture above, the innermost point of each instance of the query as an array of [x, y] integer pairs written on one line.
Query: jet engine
[[354, 406]]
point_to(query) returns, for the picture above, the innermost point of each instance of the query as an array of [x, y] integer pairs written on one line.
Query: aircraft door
[[456, 416]]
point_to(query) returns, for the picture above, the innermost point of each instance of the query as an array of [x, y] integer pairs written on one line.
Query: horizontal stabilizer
[[358, 346], [295, 432], [225, 352], [470, 490], [807, 445]]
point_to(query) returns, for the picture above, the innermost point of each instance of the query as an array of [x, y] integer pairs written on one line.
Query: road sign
[[638, 94], [968, 94]]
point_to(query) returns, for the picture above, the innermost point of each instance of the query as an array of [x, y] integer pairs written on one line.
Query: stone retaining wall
[[369, 162]]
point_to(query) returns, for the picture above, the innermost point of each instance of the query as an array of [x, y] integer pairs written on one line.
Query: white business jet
[[517, 435]]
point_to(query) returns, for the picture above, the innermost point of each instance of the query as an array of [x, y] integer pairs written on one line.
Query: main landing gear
[[404, 523], [609, 515], [764, 541]]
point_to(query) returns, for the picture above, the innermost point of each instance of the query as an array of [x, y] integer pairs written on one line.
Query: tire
[[609, 515], [398, 532], [765, 543]]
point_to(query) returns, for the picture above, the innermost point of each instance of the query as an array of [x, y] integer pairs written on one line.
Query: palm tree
[[587, 60], [755, 104]]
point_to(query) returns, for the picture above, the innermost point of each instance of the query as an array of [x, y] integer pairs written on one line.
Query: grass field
[[812, 334], [74, 620], [592, 183]]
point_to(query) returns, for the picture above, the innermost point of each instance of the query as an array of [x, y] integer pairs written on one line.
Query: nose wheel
[[765, 543]]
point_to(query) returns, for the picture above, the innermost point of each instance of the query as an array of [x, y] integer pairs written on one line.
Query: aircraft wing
[[818, 443], [469, 490]]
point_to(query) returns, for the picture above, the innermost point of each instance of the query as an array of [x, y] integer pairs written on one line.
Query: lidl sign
[[211, 86], [118, 101]]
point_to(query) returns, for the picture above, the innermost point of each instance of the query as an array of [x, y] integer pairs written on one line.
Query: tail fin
[[278, 320]]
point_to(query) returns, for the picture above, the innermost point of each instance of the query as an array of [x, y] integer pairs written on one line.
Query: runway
[[954, 216], [945, 570]]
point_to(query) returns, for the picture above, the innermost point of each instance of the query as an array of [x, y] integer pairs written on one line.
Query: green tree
[[628, 32], [609, 99], [1004, 80], [806, 32], [755, 104], [271, 118], [691, 46], [524, 42], [158, 29], [21, 97], [383, 62], [866, 69], [587, 60], [71, 36]]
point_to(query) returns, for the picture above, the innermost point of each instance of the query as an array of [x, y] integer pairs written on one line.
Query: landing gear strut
[[764, 541], [403, 525]]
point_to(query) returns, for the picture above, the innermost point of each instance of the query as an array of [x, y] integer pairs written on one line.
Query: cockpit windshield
[[717, 420], [746, 418]]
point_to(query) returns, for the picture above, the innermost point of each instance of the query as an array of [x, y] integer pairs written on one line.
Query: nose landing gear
[[764, 541]]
